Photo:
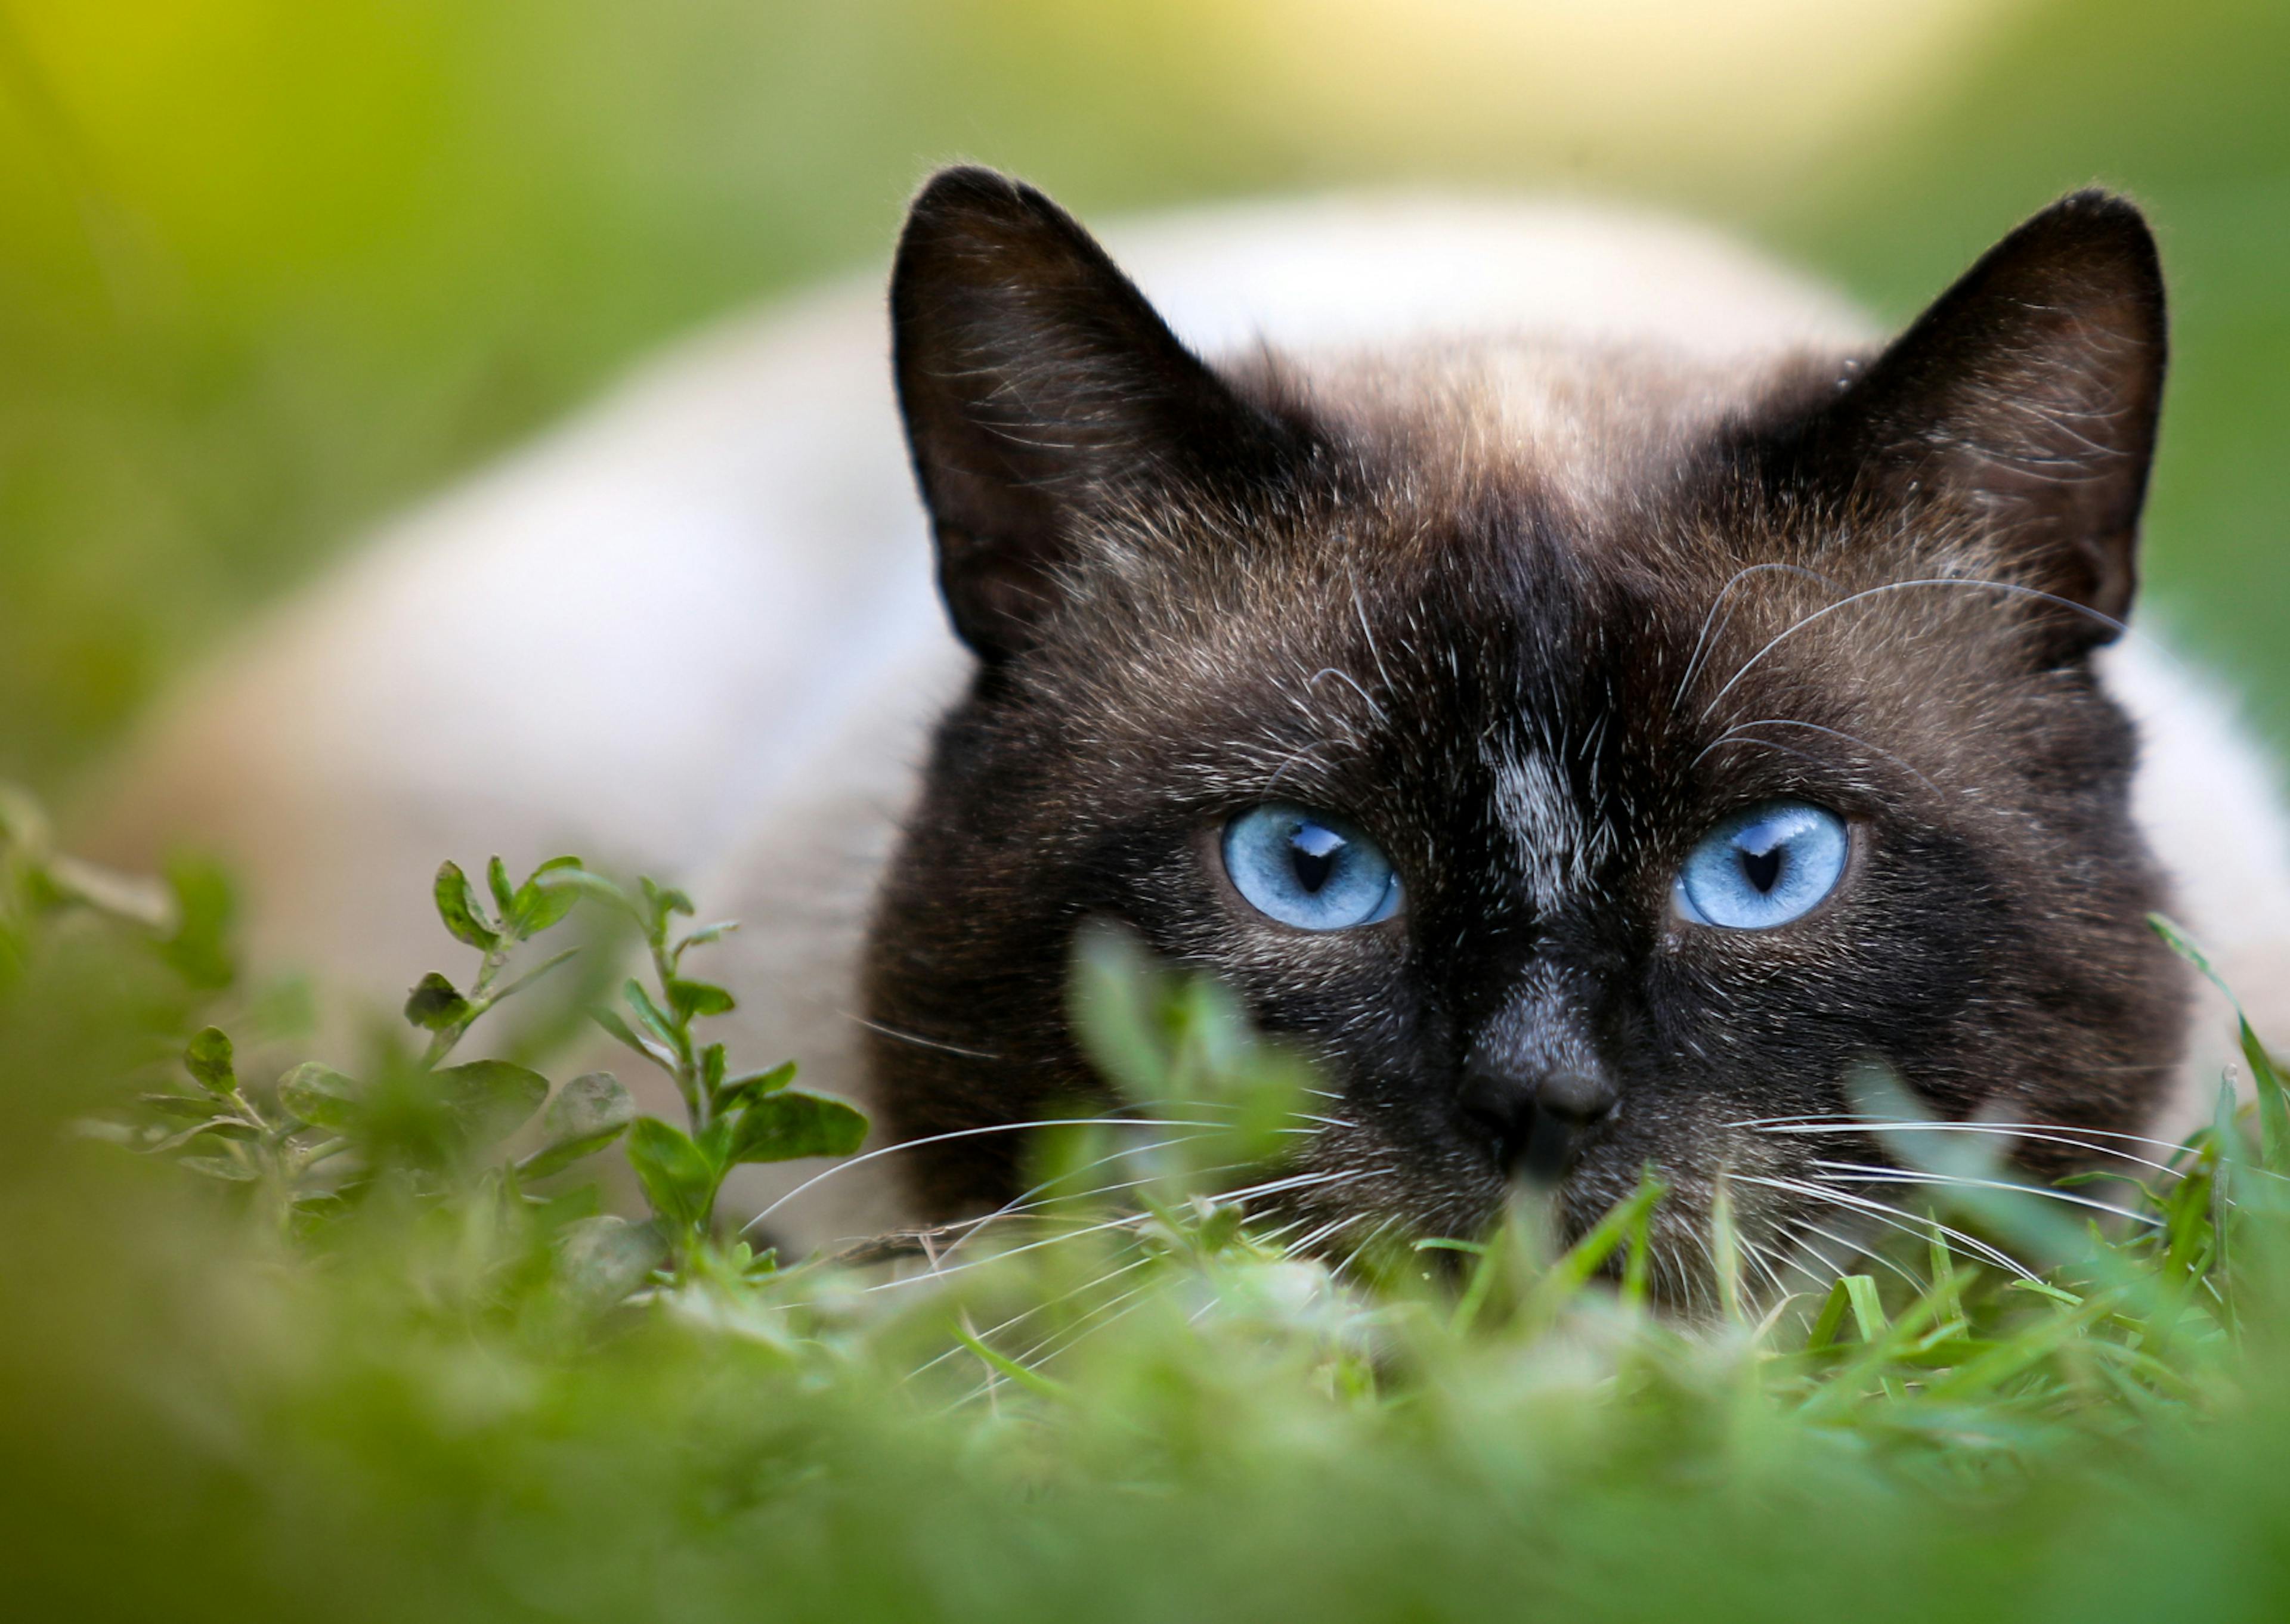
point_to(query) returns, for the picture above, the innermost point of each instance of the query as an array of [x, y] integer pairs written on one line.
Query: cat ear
[[2026, 397], [1040, 388]]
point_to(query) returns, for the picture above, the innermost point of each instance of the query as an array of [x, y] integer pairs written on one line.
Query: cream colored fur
[[694, 631]]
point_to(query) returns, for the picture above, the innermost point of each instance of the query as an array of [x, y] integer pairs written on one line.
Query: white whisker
[[1034, 1200], [1360, 1248], [1298, 1182], [1106, 1278], [1816, 1123], [1899, 586], [1033, 1358], [1895, 1175], [1896, 1218], [1854, 1249], [1693, 661], [1127, 1220], [941, 1138], [920, 1040], [1325, 1232], [2005, 1129], [1754, 1255]]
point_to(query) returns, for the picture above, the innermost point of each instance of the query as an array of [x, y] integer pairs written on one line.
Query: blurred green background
[[268, 267]]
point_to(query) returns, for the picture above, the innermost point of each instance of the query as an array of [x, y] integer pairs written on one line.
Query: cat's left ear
[[1041, 392], [2023, 402]]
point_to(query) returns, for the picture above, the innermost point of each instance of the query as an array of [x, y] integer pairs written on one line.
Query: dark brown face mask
[[1574, 829]]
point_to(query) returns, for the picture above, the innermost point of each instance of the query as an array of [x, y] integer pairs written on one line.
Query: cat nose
[[1537, 1124]]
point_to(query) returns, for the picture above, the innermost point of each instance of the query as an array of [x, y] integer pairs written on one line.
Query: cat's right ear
[[2025, 401], [1040, 392]]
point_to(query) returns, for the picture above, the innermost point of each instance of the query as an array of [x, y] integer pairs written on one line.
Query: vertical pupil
[[1313, 851], [1762, 869]]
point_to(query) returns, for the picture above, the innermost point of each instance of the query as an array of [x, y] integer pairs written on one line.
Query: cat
[[1560, 669]]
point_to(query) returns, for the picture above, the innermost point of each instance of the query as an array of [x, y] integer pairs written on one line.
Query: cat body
[[1456, 545]]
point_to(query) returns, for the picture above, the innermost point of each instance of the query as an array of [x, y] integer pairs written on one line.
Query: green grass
[[341, 1354]]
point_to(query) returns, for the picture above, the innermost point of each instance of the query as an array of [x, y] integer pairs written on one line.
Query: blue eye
[[1309, 870], [1764, 867]]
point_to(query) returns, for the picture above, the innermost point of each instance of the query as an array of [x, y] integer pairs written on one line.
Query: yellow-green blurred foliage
[[271, 267]]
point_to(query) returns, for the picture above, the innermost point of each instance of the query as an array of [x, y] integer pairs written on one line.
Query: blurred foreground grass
[[268, 269], [391, 1380]]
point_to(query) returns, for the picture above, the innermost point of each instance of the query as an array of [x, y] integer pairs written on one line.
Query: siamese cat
[[1573, 677]]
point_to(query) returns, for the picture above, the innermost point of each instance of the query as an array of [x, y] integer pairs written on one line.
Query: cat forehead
[[1583, 429], [1532, 554]]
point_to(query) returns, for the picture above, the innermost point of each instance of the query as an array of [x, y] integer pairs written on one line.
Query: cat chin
[[693, 631]]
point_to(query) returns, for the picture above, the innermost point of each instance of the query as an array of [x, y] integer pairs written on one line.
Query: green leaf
[[706, 933], [582, 882], [435, 1004], [457, 905], [604, 1259], [218, 1167], [183, 1108], [322, 1096], [695, 999], [666, 899], [491, 1096], [497, 882], [649, 1014], [678, 1180], [199, 951], [1180, 1045], [587, 1113], [218, 1127], [208, 1059], [749, 1084], [1117, 997], [1025, 1375], [539, 904], [645, 1046], [1852, 1294], [1566, 1278], [2266, 1082], [786, 1126]]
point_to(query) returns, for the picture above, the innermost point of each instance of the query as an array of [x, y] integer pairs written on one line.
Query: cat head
[[1586, 755]]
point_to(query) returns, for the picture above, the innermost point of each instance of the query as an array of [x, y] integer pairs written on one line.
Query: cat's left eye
[[1764, 867], [1309, 870]]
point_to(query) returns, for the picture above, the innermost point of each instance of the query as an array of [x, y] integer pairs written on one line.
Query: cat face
[[1583, 801]]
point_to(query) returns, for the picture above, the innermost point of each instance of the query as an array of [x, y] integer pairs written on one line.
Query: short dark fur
[[1194, 591]]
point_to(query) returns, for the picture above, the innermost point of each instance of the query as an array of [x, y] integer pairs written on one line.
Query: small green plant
[[424, 1125], [320, 1140], [731, 1116]]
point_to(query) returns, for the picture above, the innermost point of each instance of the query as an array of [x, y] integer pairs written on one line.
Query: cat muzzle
[[1537, 1125]]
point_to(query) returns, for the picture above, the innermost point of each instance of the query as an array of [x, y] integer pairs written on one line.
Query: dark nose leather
[[1536, 1124]]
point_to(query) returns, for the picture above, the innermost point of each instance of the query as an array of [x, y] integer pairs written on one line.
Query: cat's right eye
[[1309, 870]]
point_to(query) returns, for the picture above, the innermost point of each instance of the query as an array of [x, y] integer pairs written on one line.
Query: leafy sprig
[[731, 1117], [321, 1136]]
